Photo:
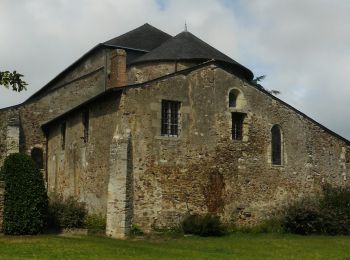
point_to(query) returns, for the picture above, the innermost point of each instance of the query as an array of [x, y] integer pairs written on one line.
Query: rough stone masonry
[[2, 193]]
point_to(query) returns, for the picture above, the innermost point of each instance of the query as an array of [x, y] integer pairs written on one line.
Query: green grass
[[242, 246]]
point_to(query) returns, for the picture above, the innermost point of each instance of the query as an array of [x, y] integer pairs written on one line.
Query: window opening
[[63, 135], [38, 157], [86, 125], [237, 126], [170, 118], [276, 145]]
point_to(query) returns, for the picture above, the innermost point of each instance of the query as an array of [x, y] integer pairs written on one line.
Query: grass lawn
[[243, 246]]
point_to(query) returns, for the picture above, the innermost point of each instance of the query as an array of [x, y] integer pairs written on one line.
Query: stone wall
[[81, 169], [144, 72], [86, 80], [2, 193], [9, 132], [205, 170]]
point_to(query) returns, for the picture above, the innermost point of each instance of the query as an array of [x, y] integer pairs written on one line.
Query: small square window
[[170, 118]]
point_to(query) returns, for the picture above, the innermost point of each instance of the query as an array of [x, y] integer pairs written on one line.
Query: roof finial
[[185, 26]]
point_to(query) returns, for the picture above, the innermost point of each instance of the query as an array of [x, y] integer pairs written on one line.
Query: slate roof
[[145, 37], [186, 46]]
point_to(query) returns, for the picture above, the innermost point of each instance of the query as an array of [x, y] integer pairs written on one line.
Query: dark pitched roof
[[186, 46], [145, 37]]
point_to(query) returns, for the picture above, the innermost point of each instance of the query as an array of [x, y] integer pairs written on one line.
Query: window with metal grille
[[170, 118], [63, 135], [237, 126], [276, 145], [86, 125]]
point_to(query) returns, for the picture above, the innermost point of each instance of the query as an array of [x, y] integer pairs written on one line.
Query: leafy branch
[[256, 82], [12, 80]]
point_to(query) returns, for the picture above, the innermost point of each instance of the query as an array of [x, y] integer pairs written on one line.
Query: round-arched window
[[276, 145]]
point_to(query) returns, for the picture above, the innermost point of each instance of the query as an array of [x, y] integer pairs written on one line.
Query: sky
[[303, 47]]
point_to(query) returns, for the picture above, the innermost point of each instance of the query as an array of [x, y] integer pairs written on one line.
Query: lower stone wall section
[[2, 193]]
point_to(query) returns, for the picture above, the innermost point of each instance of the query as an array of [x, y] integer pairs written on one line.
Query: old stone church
[[147, 127]]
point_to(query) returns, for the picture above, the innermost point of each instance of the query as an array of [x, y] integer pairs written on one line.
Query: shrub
[[135, 230], [207, 225], [95, 222], [25, 204], [191, 224], [303, 218], [335, 209], [329, 214], [68, 213]]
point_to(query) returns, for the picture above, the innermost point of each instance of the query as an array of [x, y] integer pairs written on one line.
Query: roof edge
[[186, 71], [75, 63]]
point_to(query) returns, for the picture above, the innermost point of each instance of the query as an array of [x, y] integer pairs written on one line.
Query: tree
[[26, 202], [256, 82], [13, 80]]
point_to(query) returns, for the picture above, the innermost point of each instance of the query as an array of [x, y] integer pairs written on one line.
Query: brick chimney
[[118, 76]]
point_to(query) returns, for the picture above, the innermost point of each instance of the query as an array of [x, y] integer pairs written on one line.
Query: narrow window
[[38, 157], [86, 125], [63, 135], [170, 118], [237, 126], [232, 98], [276, 145]]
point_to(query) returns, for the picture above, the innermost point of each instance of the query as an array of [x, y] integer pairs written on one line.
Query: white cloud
[[302, 46]]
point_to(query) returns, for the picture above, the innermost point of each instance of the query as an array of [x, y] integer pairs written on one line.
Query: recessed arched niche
[[235, 99]]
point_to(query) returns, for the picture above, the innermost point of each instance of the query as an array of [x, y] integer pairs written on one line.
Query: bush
[[95, 222], [207, 225], [335, 209], [135, 230], [25, 205], [303, 218], [67, 213], [330, 214]]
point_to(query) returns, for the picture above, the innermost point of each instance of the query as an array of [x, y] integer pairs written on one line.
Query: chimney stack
[[118, 76]]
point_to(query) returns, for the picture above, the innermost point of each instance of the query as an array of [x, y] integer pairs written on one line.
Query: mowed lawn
[[242, 246]]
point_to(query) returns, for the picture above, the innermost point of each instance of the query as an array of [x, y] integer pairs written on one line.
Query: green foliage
[[273, 225], [95, 222], [135, 230], [207, 225], [25, 205], [68, 213], [329, 214], [13, 80], [304, 218]]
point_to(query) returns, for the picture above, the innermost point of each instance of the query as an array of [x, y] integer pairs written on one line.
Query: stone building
[[147, 127]]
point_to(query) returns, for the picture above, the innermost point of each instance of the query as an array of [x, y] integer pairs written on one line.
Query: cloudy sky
[[303, 46]]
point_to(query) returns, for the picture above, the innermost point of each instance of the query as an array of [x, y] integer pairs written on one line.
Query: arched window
[[276, 145], [232, 98], [38, 157]]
